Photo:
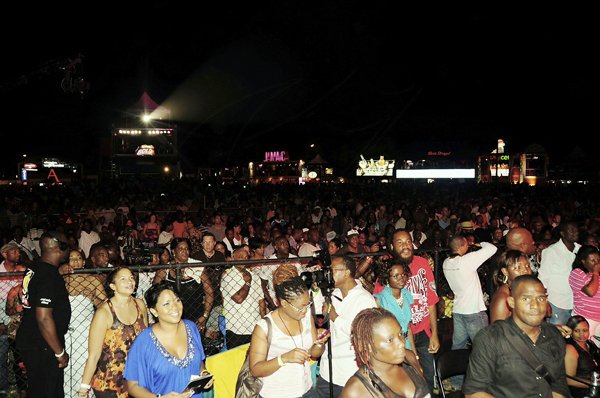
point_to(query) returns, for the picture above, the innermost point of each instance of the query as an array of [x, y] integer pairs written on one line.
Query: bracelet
[[84, 386], [61, 354], [280, 361]]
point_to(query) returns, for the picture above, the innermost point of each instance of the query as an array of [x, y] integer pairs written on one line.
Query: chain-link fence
[[209, 292]]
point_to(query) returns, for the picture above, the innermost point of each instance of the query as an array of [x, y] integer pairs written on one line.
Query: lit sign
[[147, 131], [145, 150], [436, 173], [375, 168], [30, 166], [502, 170], [278, 156], [312, 174], [438, 153], [53, 163], [328, 171]]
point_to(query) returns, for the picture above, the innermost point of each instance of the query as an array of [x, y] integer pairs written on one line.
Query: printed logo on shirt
[[418, 285], [24, 296], [45, 301]]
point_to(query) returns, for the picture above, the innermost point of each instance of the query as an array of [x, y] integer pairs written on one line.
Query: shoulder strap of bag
[[525, 351], [269, 333]]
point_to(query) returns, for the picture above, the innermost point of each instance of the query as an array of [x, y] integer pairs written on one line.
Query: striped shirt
[[588, 307]]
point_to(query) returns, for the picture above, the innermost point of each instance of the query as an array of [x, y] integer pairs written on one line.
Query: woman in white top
[[284, 365]]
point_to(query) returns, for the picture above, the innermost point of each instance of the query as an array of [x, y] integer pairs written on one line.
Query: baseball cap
[[9, 246]]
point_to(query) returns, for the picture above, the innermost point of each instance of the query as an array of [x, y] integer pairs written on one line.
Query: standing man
[[46, 317], [497, 368], [557, 261], [469, 311], [347, 300], [421, 284]]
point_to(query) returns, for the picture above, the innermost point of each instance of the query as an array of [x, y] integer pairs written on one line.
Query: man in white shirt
[[556, 265], [243, 303], [469, 310], [347, 300], [87, 237]]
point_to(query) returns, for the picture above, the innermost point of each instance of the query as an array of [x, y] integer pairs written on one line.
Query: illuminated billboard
[[436, 173], [375, 168]]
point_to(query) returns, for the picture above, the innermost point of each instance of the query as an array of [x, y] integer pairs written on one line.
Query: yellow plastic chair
[[225, 367]]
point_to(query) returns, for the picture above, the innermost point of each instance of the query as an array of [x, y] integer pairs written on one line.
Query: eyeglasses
[[303, 308]]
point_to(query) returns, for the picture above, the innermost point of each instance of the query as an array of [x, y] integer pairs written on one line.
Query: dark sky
[[351, 77]]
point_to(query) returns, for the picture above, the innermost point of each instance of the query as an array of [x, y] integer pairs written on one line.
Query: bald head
[[520, 239]]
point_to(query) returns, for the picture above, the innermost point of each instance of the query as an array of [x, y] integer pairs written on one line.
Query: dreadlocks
[[362, 332]]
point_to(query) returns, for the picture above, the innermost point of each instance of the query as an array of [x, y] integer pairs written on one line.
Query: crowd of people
[[400, 265]]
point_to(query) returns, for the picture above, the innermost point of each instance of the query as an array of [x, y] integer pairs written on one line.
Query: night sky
[[351, 77]]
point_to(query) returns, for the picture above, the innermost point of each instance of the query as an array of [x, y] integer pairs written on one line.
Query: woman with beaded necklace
[[284, 365], [164, 356]]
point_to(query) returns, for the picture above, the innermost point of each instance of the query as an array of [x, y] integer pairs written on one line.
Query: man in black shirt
[[497, 368], [46, 317]]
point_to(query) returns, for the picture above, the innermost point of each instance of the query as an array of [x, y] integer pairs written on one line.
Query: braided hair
[[362, 333], [287, 283]]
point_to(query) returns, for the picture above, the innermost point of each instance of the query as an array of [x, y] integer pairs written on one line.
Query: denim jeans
[[559, 316], [466, 327], [425, 357], [4, 345]]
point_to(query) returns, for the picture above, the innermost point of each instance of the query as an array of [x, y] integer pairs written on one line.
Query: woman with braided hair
[[379, 345], [284, 365]]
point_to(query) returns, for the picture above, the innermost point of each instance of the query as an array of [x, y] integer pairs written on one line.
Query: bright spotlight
[[146, 118], [166, 169]]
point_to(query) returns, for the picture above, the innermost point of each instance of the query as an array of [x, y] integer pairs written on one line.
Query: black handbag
[[247, 385]]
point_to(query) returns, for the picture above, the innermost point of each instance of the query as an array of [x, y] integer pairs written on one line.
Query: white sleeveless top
[[291, 380]]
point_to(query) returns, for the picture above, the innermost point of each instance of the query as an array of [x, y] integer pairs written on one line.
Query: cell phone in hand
[[322, 335], [198, 383]]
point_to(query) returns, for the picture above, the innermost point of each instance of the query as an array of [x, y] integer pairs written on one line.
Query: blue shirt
[[149, 363]]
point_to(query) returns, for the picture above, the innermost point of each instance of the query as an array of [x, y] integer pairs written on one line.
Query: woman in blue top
[[165, 355], [395, 297]]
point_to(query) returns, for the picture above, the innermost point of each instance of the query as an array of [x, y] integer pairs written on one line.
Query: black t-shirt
[[43, 286], [214, 273]]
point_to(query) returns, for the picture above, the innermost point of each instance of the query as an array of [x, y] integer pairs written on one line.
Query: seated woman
[[379, 344], [165, 355], [580, 356], [511, 264], [284, 365]]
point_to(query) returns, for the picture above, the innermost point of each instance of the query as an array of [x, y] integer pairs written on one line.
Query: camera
[[323, 277], [140, 255]]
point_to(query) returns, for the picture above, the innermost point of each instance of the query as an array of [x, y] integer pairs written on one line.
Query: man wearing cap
[[353, 247], [46, 317], [11, 254]]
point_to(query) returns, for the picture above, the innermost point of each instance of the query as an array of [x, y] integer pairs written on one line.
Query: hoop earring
[[505, 279]]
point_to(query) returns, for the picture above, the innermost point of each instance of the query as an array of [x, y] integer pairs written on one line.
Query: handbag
[[525, 351], [247, 385]]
